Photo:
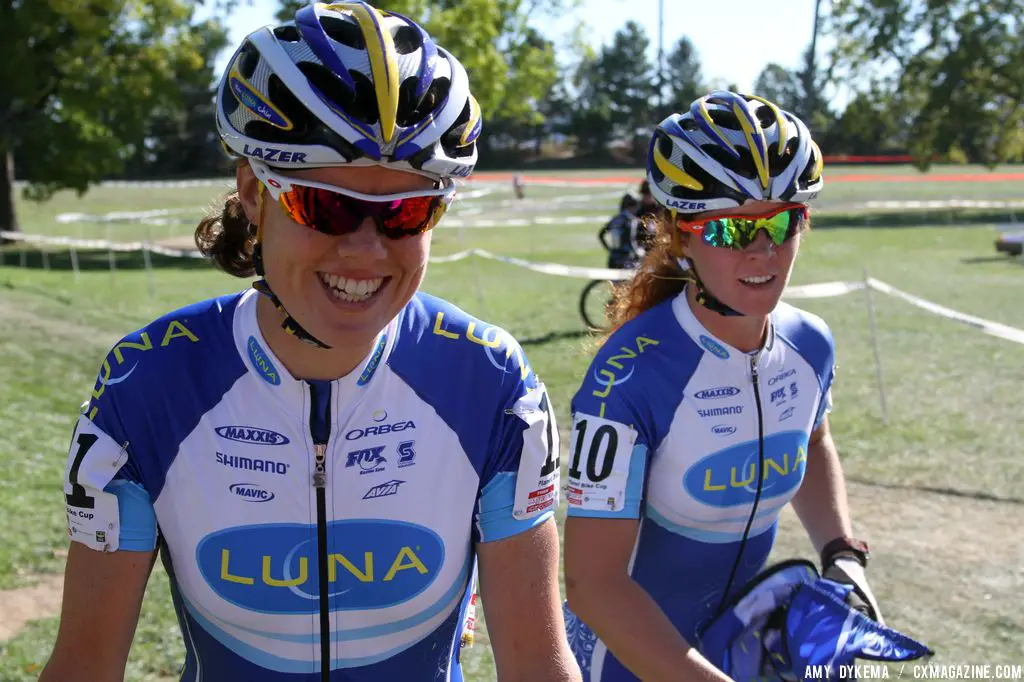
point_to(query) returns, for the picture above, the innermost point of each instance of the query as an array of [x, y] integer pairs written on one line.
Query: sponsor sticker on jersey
[[369, 460], [786, 414], [383, 490], [252, 434], [381, 430], [713, 347], [371, 366], [781, 376], [272, 568], [406, 453], [723, 429], [716, 393], [258, 464], [262, 363], [711, 412], [251, 492], [728, 478]]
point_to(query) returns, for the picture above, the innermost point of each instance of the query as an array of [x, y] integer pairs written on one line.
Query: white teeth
[[351, 289], [757, 280]]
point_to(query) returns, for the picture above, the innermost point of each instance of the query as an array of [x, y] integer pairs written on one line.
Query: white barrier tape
[[123, 216], [820, 290], [596, 219], [994, 328], [945, 203]]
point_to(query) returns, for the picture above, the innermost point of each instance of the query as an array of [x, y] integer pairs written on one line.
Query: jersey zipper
[[759, 475], [320, 429]]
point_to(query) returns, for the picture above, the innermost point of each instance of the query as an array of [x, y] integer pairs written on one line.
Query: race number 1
[[600, 453]]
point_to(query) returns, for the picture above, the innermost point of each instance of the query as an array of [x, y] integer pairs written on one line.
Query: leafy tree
[[958, 65], [79, 80], [780, 85], [684, 77]]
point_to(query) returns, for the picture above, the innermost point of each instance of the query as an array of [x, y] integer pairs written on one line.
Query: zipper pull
[[753, 368], [320, 472]]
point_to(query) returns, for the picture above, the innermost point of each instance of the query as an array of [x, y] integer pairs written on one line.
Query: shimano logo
[[716, 393], [356, 434], [383, 490], [720, 411], [785, 374], [723, 430], [250, 434], [249, 464], [251, 492]]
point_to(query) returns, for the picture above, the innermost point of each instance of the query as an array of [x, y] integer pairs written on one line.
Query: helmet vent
[[248, 60], [344, 32], [288, 34], [407, 39]]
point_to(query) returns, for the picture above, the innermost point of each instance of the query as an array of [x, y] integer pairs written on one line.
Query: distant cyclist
[[706, 410], [323, 461], [619, 235]]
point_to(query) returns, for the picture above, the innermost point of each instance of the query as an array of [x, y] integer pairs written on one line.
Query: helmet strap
[[290, 324], [705, 297]]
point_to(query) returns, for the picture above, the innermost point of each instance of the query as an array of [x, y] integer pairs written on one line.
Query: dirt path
[[39, 600]]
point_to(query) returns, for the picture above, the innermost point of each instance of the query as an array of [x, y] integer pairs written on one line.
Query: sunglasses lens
[[337, 214], [738, 233]]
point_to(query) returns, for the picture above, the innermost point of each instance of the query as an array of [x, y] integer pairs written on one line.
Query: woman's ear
[[248, 191]]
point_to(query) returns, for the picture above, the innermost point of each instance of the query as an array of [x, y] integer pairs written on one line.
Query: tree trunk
[[8, 214]]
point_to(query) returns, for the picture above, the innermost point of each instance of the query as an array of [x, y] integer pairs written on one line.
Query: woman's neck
[[301, 359], [742, 332]]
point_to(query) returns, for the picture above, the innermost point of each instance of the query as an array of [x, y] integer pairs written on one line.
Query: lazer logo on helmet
[[272, 568], [728, 478], [681, 205], [356, 434], [251, 434], [271, 154]]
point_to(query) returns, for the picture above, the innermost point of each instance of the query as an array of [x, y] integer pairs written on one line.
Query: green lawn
[[937, 492]]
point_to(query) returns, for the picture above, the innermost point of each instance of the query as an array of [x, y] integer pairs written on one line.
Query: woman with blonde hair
[[706, 409]]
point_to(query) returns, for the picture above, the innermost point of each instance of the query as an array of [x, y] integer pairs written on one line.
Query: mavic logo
[[383, 490]]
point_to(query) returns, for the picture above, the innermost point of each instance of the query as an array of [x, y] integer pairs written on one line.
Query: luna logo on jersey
[[728, 478], [271, 568]]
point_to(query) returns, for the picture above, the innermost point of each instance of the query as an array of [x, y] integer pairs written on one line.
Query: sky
[[734, 38]]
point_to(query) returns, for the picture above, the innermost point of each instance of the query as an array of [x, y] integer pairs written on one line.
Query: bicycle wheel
[[594, 303]]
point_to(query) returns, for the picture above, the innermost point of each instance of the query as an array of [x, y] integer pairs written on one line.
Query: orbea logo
[[356, 434], [713, 347], [251, 434], [716, 393], [251, 492], [262, 362], [272, 568]]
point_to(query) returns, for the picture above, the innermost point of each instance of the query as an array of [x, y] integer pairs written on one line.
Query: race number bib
[[93, 460], [599, 465], [538, 477]]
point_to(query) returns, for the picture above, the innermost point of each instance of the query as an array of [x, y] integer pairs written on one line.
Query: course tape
[[819, 290]]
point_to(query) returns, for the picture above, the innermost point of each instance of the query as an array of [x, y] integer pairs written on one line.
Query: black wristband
[[858, 548]]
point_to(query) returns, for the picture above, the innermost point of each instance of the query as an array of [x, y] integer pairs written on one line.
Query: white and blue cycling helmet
[[729, 149], [348, 84]]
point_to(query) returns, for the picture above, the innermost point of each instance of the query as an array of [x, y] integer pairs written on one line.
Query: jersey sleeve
[[825, 402], [520, 486], [609, 450], [107, 504]]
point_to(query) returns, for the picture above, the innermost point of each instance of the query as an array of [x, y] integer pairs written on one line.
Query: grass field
[[937, 492]]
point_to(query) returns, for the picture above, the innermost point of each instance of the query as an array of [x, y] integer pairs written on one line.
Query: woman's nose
[[366, 239]]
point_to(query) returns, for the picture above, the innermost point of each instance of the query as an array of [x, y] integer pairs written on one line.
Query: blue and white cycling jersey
[[693, 437], [197, 440]]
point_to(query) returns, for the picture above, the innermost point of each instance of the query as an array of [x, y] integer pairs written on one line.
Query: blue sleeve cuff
[[136, 515], [494, 510]]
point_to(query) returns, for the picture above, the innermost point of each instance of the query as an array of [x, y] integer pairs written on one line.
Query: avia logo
[[723, 430], [251, 492], [720, 411], [781, 376], [716, 393], [713, 347], [369, 459], [728, 478], [356, 434], [251, 434], [272, 568], [383, 490], [786, 414], [249, 464], [261, 362]]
